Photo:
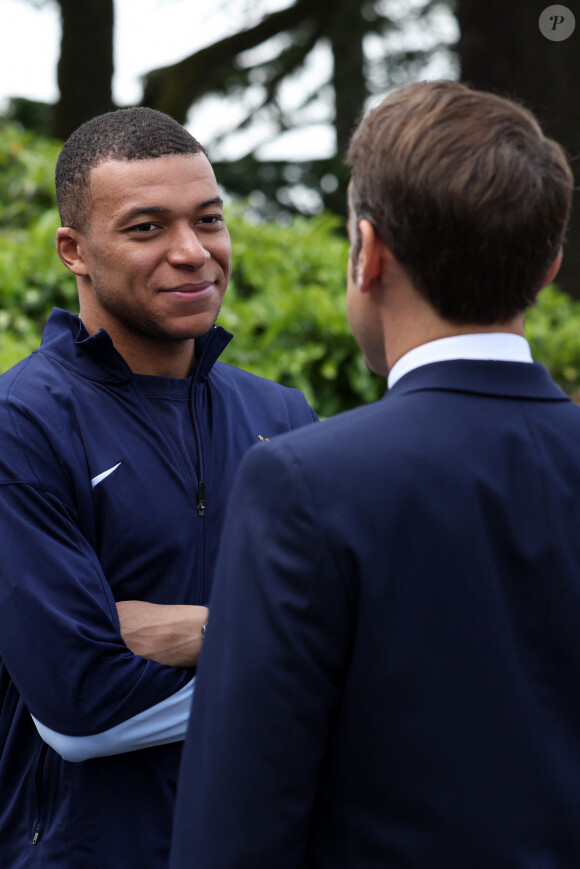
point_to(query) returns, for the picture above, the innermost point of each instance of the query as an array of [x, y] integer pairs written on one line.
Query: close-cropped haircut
[[467, 192], [125, 134]]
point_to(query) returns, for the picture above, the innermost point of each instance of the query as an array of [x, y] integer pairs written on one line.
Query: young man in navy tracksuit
[[120, 437]]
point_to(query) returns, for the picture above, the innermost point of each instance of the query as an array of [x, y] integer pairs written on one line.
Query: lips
[[190, 291]]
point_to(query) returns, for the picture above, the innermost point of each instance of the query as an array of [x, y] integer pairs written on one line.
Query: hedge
[[285, 305]]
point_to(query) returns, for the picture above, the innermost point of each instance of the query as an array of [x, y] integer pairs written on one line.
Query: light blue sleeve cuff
[[163, 723]]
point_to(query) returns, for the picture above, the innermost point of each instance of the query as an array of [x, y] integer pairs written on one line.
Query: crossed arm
[[59, 630], [168, 634]]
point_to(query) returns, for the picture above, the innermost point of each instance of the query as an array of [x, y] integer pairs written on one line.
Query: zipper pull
[[201, 499], [36, 834]]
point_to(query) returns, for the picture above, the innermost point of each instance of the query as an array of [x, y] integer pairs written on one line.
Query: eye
[[211, 219], [144, 227]]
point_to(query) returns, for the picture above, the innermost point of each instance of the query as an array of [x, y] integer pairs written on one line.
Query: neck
[[159, 359], [146, 354], [415, 323]]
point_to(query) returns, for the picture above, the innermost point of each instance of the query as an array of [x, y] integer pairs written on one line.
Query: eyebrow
[[160, 209]]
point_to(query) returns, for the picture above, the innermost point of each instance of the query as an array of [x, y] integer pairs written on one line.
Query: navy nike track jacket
[[102, 499]]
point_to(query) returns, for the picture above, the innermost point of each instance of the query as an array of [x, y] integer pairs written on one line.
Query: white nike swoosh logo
[[100, 477]]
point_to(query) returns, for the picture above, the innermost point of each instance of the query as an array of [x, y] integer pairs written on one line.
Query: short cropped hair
[[468, 193], [125, 134]]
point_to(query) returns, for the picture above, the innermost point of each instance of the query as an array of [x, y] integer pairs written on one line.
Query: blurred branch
[[173, 89]]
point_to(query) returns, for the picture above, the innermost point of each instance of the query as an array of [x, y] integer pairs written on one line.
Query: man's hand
[[169, 634]]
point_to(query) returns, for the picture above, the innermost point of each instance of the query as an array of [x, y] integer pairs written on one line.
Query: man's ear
[[70, 250], [553, 270], [371, 257]]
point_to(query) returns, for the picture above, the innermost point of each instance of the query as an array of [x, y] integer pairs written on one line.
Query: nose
[[186, 249]]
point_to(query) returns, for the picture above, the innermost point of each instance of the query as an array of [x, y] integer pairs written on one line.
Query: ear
[[70, 249], [371, 258], [553, 270]]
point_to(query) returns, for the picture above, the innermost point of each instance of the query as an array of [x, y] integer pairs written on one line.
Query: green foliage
[[26, 175], [32, 278], [286, 304], [553, 330]]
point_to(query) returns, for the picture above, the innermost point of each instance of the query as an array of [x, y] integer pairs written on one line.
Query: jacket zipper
[[201, 486], [201, 499], [201, 494], [38, 782]]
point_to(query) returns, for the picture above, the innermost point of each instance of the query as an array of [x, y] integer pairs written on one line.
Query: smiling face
[[155, 260]]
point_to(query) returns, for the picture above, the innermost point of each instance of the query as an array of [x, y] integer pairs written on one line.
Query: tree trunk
[[346, 33], [85, 67], [501, 49]]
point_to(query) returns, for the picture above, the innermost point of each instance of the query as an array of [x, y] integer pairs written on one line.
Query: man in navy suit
[[391, 671]]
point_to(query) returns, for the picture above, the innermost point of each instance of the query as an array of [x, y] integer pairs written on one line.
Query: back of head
[[468, 193], [126, 134]]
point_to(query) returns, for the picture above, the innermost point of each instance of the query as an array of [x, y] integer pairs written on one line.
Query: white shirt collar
[[499, 346]]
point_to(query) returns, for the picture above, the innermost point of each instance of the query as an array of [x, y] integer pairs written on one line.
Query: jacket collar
[[95, 357], [483, 377], [501, 346]]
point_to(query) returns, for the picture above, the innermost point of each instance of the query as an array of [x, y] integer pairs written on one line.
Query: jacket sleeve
[[59, 630], [302, 413], [274, 658]]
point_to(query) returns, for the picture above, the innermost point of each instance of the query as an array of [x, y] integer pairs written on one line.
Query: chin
[[192, 327]]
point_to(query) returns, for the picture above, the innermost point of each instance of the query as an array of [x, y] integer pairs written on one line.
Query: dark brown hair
[[126, 134], [468, 193]]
